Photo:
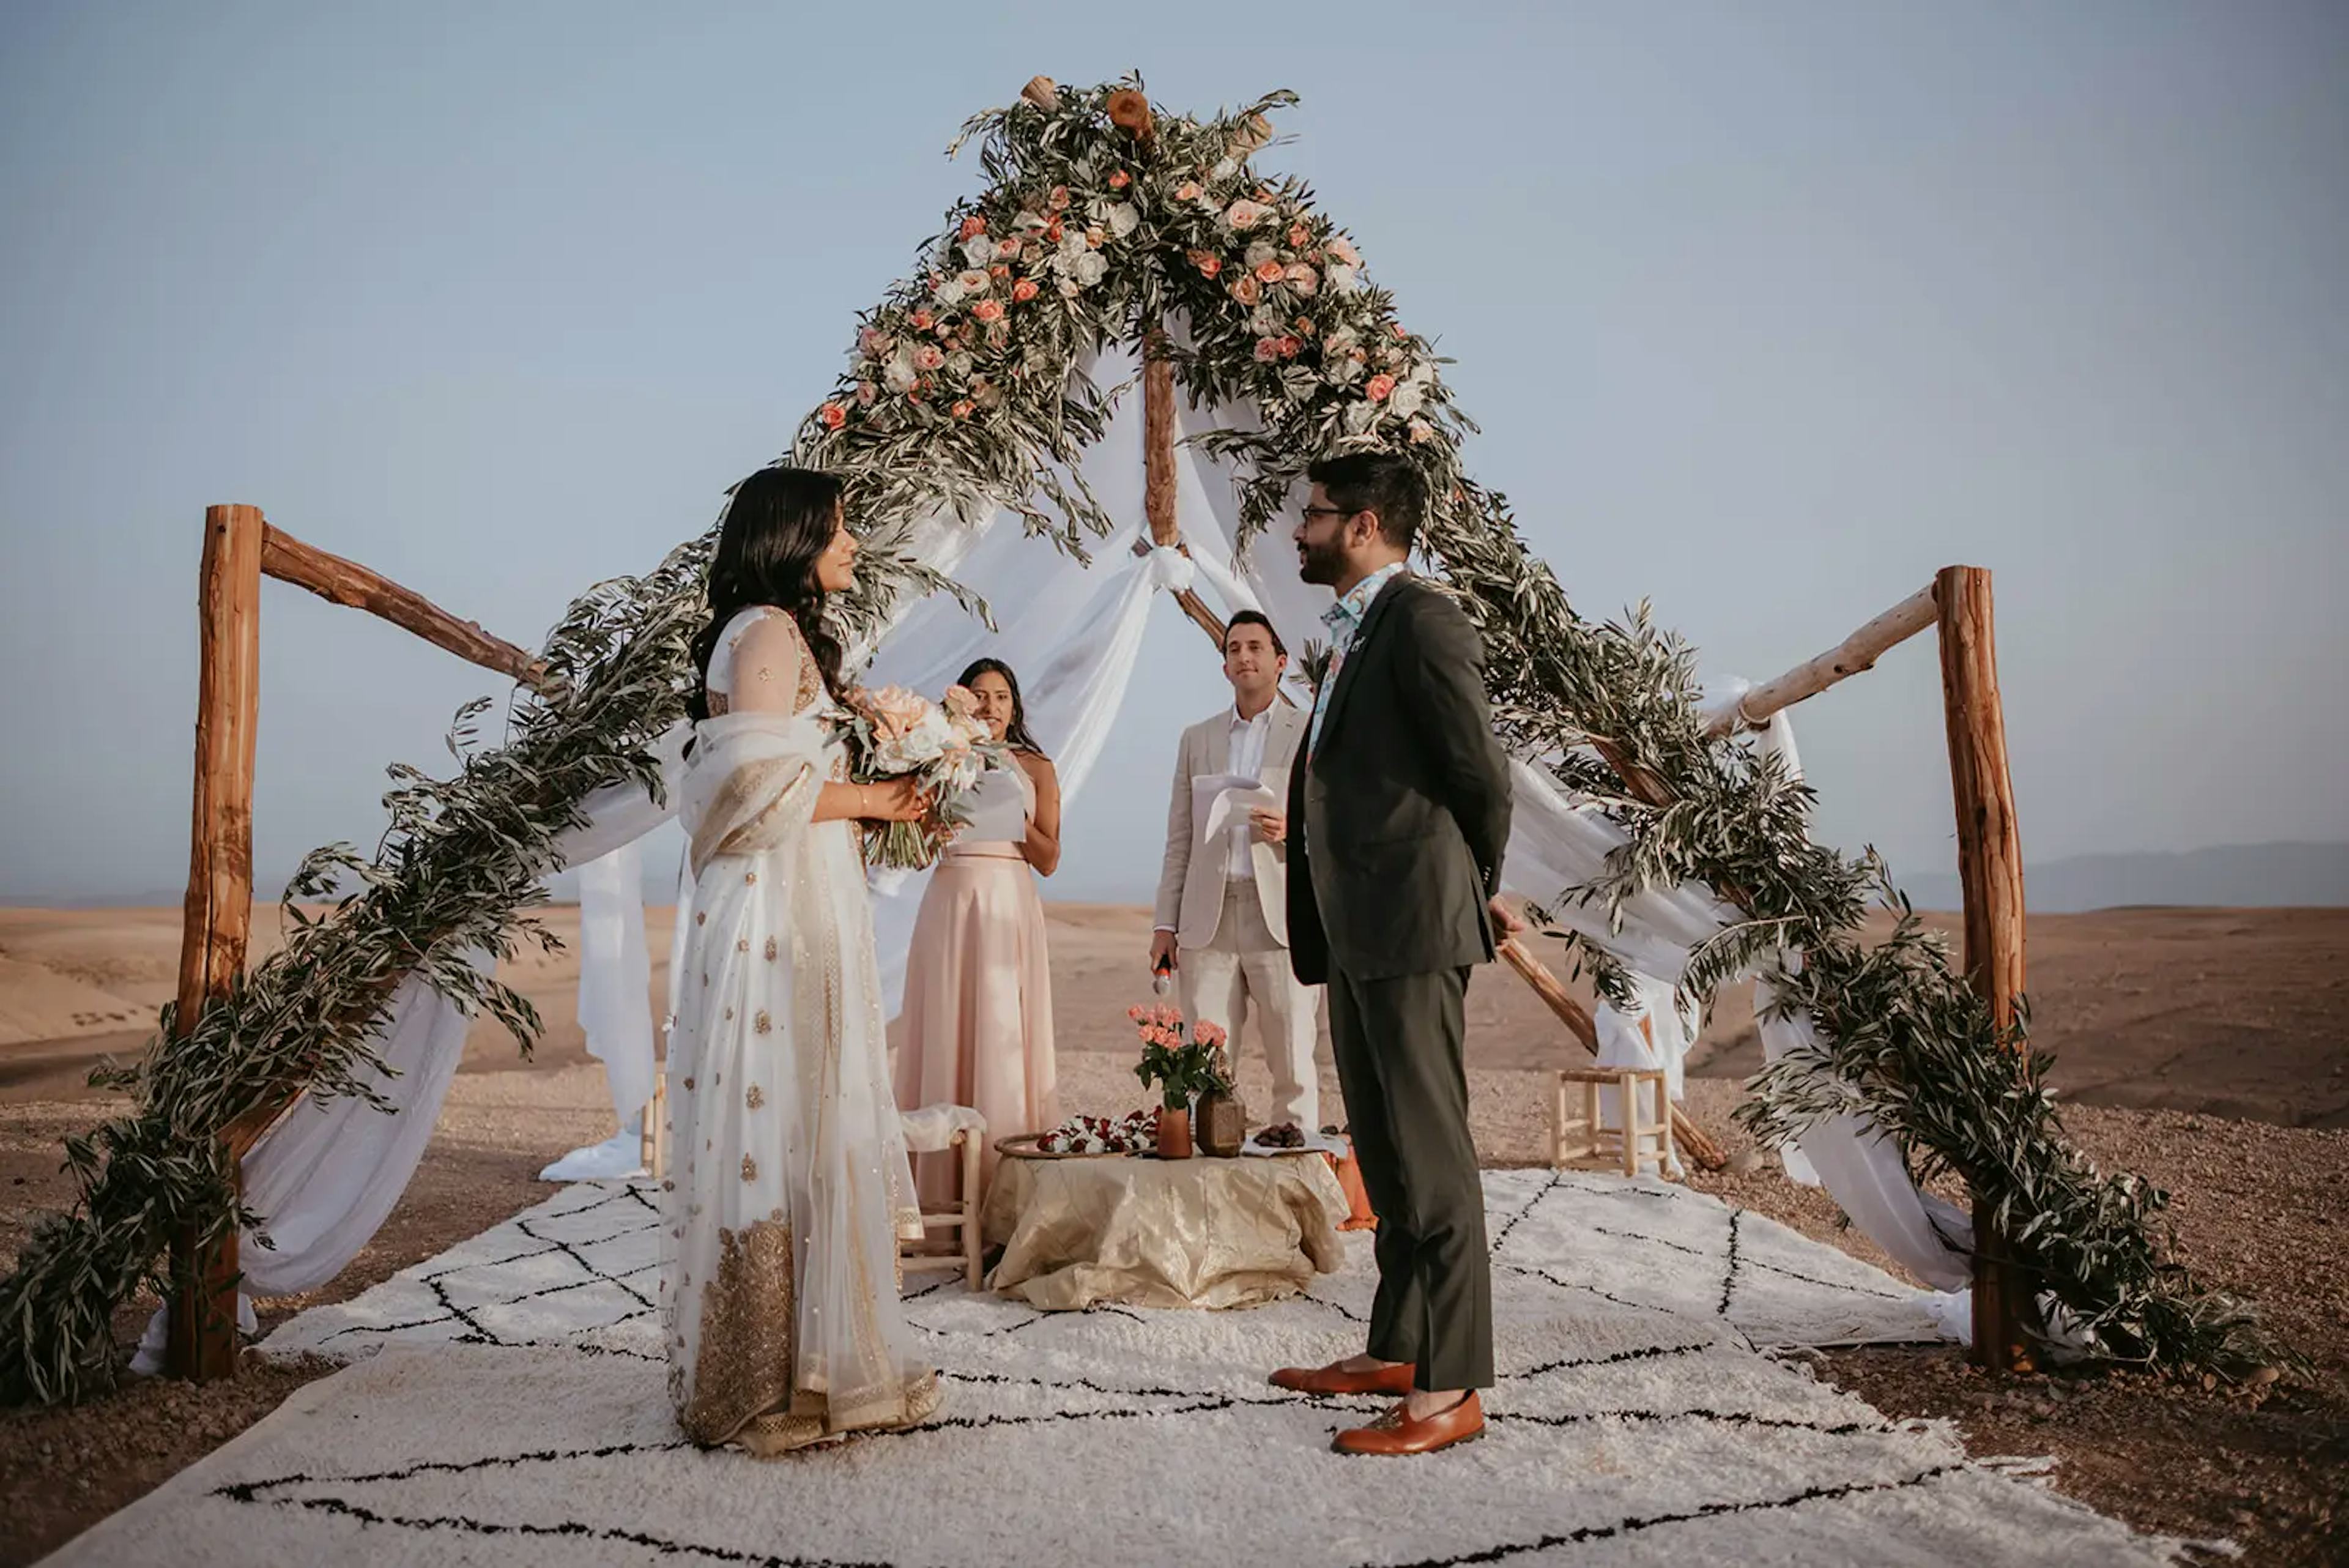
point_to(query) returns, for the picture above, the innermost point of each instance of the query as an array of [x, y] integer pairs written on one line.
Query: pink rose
[[1007, 248], [1247, 290], [1346, 253], [1379, 386], [929, 357], [1267, 350], [1245, 214]]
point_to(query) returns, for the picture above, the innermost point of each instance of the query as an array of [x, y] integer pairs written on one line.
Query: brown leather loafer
[[1335, 1379], [1392, 1434]]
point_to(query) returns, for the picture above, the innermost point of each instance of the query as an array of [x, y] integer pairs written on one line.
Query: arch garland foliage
[[967, 391]]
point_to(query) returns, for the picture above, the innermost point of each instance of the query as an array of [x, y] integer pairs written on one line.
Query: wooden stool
[[1582, 1140], [654, 1126], [930, 1130]]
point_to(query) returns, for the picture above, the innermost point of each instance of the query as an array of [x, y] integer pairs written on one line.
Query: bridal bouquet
[[944, 747]]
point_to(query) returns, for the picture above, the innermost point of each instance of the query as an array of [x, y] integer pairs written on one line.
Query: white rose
[[1069, 289], [1360, 416], [1224, 170], [900, 375], [1338, 342], [974, 282], [1406, 400], [977, 252], [1258, 254], [959, 365], [1123, 219], [1091, 268], [948, 292], [1342, 278]]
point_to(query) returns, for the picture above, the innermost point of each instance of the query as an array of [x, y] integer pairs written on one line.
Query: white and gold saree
[[790, 1185]]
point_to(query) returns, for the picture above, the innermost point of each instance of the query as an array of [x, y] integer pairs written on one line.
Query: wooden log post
[[1855, 653], [348, 582], [218, 915], [1579, 1023], [1990, 872]]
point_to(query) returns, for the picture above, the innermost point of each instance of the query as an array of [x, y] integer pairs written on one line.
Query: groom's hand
[[1163, 954], [1505, 919]]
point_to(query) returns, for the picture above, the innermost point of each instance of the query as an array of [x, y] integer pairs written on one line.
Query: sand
[[2206, 1049]]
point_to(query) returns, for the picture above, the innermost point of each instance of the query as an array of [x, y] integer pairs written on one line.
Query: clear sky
[[1766, 311]]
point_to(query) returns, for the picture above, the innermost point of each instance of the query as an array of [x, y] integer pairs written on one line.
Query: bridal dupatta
[[781, 1222]]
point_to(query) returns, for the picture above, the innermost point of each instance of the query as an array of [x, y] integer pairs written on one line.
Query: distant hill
[[2236, 876]]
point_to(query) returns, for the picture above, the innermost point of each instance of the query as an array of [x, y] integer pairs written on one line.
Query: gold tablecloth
[[1198, 1232]]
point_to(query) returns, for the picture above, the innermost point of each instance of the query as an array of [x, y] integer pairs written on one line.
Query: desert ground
[[2206, 1049]]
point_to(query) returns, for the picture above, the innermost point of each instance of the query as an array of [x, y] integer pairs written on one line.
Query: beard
[[1321, 564]]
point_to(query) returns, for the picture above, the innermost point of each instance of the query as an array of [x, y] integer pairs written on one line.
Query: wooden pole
[[348, 582], [1158, 472], [1546, 985], [219, 911], [1855, 653], [1990, 872]]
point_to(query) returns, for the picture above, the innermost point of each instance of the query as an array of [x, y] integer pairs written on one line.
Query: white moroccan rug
[[515, 1413]]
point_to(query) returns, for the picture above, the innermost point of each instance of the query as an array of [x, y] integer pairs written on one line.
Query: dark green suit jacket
[[1398, 819]]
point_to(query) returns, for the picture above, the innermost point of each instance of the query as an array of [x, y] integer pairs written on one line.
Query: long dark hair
[[779, 521], [1016, 732]]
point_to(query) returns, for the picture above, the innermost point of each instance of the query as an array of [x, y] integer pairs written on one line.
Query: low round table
[[1199, 1232]]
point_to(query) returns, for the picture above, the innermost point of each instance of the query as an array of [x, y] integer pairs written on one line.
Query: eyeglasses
[[1326, 512]]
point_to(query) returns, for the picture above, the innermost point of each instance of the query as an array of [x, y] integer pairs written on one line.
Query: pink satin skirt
[[978, 1017]]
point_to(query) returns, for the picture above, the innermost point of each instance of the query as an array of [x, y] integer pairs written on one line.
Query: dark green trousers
[[1398, 1042]]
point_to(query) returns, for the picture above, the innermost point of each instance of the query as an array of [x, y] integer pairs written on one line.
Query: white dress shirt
[[1248, 737]]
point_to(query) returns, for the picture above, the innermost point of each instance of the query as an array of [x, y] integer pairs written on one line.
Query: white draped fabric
[[1072, 630]]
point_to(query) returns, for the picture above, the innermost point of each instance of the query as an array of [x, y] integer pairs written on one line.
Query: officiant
[[1222, 920]]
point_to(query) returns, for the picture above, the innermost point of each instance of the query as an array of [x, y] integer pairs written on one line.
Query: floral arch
[[1103, 222]]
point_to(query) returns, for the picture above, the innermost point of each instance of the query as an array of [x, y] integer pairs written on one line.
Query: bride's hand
[[898, 800]]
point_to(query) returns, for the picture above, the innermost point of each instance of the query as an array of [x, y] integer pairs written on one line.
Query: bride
[[779, 1228]]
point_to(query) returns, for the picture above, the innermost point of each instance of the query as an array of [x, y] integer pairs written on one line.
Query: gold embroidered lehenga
[[791, 1187]]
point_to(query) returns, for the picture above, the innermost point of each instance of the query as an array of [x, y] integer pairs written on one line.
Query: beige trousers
[[1245, 967]]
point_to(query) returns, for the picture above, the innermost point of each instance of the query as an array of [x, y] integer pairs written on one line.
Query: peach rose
[[833, 416], [1096, 236], [929, 357], [1345, 253], [1188, 190], [923, 321], [1247, 290], [1303, 279], [1007, 248], [1289, 347], [961, 411], [1024, 290], [1208, 263], [1299, 237], [973, 226], [1120, 181], [1269, 272], [1060, 197], [987, 310], [1379, 386], [1244, 215]]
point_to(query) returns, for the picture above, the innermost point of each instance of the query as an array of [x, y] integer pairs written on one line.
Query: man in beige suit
[[1223, 910]]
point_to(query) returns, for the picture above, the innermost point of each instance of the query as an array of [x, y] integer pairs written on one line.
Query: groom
[[1398, 813]]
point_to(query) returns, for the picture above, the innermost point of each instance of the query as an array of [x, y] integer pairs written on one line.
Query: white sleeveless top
[[1001, 807]]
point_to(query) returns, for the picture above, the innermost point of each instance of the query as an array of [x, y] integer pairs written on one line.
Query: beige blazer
[[1191, 884]]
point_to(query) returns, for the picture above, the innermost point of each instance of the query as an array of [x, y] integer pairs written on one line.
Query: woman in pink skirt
[[978, 983]]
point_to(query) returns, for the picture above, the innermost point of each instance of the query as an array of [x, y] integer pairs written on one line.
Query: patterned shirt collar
[[1350, 609]]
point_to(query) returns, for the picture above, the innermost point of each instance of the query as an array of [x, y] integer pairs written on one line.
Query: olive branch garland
[[1001, 413]]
